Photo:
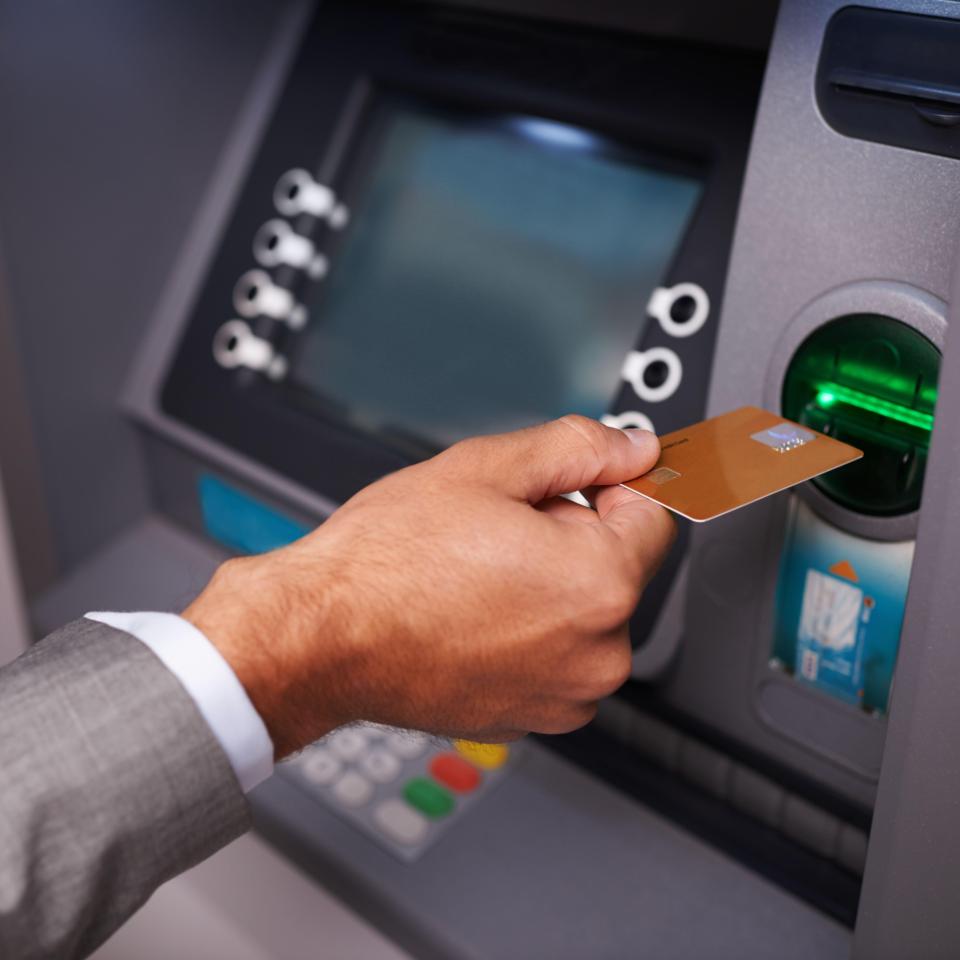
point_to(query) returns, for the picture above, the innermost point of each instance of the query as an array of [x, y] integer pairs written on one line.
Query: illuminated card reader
[[871, 381]]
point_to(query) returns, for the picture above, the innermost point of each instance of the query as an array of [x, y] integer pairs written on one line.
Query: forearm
[[112, 784]]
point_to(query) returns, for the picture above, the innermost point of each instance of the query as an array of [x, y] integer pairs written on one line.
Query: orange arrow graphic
[[844, 568]]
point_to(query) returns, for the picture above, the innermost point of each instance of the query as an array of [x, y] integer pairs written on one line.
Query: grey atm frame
[[908, 904], [848, 230]]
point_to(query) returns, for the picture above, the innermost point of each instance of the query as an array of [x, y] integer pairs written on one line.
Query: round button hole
[[683, 308], [292, 191], [252, 292], [655, 374], [273, 241]]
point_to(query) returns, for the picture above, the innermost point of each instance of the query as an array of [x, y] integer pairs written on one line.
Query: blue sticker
[[242, 522], [840, 603]]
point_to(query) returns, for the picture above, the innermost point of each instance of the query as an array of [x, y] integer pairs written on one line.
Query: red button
[[454, 772]]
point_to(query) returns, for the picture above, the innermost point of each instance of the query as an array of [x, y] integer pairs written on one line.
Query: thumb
[[568, 454], [645, 527]]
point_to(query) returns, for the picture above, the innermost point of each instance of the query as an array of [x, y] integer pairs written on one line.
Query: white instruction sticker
[[830, 613]]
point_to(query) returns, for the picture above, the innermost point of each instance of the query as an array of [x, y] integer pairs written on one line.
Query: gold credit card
[[726, 462]]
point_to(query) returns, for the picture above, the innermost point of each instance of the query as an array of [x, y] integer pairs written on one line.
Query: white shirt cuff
[[212, 685]]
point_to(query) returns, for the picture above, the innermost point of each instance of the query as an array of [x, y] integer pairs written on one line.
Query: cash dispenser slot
[[892, 78]]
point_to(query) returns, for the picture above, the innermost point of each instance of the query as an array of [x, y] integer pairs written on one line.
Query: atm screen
[[494, 274]]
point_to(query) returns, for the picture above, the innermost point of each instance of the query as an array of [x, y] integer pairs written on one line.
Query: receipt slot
[[870, 381]]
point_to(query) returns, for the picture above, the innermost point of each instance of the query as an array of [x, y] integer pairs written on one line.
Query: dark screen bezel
[[362, 133], [376, 45]]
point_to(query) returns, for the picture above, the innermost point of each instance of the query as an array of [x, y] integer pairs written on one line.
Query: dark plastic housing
[[893, 78]]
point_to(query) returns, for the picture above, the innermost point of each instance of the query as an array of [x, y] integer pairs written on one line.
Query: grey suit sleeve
[[110, 783]]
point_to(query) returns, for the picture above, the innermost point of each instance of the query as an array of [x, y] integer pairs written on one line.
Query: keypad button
[[407, 744], [348, 744], [400, 823], [320, 766], [454, 772], [428, 797], [352, 790], [489, 756], [380, 765]]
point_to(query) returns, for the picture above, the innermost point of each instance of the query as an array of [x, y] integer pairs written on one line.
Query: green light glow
[[830, 393]]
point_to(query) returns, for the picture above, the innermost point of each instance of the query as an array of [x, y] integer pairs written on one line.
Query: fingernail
[[638, 435]]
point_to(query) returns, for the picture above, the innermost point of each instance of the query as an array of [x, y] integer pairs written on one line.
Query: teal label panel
[[242, 522], [840, 603]]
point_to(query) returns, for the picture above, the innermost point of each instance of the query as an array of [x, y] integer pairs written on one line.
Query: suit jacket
[[110, 783]]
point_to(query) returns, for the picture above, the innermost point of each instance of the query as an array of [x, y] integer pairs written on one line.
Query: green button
[[428, 798]]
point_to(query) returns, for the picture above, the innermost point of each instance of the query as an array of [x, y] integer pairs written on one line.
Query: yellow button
[[486, 755]]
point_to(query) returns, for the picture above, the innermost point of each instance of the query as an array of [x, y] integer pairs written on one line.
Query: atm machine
[[438, 219]]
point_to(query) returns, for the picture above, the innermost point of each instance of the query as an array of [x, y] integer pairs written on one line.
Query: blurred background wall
[[112, 115]]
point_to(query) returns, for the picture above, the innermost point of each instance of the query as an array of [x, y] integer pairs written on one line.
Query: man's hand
[[461, 596]]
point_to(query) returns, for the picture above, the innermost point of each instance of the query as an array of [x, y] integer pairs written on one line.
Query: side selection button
[[276, 243], [681, 310], [236, 346], [297, 192], [654, 374]]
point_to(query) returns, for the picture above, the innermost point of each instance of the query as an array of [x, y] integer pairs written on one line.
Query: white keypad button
[[348, 744], [320, 766], [400, 823], [352, 790], [380, 765], [407, 744]]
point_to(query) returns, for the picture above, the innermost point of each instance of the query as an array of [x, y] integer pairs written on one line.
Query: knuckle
[[581, 715], [665, 523], [615, 602], [615, 671], [606, 672], [461, 450], [463, 456], [563, 717], [572, 718], [589, 433]]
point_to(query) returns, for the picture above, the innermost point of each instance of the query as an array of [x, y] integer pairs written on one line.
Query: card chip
[[662, 475]]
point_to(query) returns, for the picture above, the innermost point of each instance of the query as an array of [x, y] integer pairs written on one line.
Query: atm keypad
[[400, 787]]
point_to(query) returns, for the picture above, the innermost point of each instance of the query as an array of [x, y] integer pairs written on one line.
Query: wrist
[[282, 644]]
